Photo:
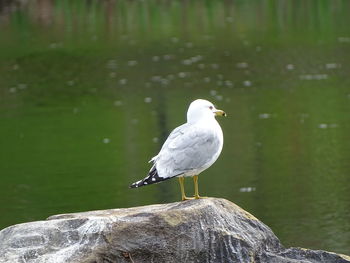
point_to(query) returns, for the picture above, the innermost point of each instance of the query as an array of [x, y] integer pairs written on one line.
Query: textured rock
[[205, 230]]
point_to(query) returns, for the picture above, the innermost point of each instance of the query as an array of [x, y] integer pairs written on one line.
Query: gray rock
[[205, 230]]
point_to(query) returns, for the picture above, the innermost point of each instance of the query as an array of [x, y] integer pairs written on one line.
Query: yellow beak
[[220, 113]]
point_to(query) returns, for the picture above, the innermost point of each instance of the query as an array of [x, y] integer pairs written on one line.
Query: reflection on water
[[89, 91]]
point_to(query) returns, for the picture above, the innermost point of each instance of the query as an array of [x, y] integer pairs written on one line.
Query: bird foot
[[184, 198], [199, 197]]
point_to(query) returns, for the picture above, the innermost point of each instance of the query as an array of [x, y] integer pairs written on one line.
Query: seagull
[[190, 148]]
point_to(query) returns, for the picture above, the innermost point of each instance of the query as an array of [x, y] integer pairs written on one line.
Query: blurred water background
[[89, 91]]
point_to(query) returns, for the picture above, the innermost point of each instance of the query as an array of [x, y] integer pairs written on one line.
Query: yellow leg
[[195, 182], [183, 195]]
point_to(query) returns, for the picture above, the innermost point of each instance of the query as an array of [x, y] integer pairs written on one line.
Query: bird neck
[[201, 119]]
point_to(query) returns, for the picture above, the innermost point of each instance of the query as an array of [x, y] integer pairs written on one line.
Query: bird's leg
[[183, 195], [196, 193]]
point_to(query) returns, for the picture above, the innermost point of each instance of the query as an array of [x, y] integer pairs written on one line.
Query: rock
[[204, 230]]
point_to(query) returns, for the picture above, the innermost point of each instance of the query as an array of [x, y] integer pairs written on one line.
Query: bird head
[[200, 109]]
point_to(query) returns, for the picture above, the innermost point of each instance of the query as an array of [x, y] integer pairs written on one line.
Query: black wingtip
[[136, 184], [151, 178]]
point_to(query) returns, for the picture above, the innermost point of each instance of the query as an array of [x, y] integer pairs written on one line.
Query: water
[[89, 91]]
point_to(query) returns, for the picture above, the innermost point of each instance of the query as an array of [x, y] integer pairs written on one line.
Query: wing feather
[[188, 147]]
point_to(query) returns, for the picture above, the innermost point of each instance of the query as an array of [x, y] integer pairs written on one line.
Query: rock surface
[[205, 230]]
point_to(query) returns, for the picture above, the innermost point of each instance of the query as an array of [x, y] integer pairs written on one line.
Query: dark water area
[[89, 91]]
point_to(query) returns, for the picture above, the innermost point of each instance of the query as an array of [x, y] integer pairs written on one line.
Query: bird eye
[[211, 107]]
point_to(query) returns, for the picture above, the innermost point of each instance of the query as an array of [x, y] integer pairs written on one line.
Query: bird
[[189, 149]]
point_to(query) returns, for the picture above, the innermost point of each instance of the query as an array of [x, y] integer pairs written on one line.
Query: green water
[[89, 90]]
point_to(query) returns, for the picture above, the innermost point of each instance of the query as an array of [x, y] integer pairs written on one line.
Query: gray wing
[[187, 148]]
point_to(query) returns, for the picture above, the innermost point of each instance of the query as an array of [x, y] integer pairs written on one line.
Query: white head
[[200, 109]]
